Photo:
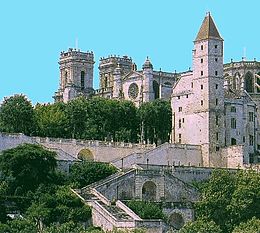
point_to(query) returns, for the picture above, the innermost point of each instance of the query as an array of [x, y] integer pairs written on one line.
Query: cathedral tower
[[76, 75]]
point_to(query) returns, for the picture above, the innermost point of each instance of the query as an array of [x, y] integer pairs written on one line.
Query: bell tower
[[76, 75]]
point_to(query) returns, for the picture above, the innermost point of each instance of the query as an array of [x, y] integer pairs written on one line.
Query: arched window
[[249, 82], [65, 81], [105, 82], [156, 89], [149, 191], [82, 80], [258, 81]]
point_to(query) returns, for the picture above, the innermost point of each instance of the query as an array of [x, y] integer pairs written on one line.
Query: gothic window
[[249, 82], [133, 91], [233, 123], [82, 80], [251, 140], [233, 109], [233, 141], [156, 89], [258, 81], [66, 77], [251, 116], [105, 82]]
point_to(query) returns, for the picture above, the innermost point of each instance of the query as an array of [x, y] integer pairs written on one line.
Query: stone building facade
[[208, 113], [76, 75]]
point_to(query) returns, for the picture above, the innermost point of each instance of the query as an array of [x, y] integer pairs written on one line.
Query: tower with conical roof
[[209, 89]]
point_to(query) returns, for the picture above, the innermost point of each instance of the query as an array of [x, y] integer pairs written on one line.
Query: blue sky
[[34, 32]]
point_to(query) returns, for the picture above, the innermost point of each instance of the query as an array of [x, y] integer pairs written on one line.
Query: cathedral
[[214, 105]]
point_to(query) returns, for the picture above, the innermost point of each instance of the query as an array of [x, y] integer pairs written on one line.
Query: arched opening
[[86, 154], [249, 82], [258, 81], [65, 78], [105, 82], [233, 141], [156, 89], [149, 191], [82, 80], [176, 220]]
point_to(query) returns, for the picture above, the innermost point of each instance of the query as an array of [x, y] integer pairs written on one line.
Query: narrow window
[[233, 109], [217, 148], [179, 138], [82, 80], [244, 139], [216, 46], [201, 47], [216, 73], [201, 87], [216, 101], [187, 96], [216, 59], [233, 141], [179, 97], [201, 102], [251, 140], [201, 60], [180, 109], [191, 85], [201, 73], [251, 116], [182, 120], [216, 86], [216, 120], [217, 136], [179, 123], [233, 123]]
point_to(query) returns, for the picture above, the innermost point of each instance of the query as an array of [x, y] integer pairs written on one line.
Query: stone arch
[[176, 220], [249, 82], [149, 191], [156, 89], [85, 154]]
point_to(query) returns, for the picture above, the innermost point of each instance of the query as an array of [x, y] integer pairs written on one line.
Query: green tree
[[17, 115], [229, 198], [51, 120], [251, 226], [201, 226], [27, 166], [76, 111], [146, 210], [85, 173], [155, 121]]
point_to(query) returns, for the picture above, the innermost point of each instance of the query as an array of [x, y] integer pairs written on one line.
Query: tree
[[16, 115], [27, 166], [251, 226], [51, 120], [201, 226], [85, 173], [229, 198], [155, 121]]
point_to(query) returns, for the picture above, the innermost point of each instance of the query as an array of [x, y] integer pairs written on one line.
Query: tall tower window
[[249, 82], [233, 123], [156, 90], [82, 80]]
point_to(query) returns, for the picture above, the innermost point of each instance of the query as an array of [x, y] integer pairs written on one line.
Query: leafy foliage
[[155, 120], [201, 226], [85, 173], [17, 115], [146, 210], [251, 226], [27, 166], [230, 198]]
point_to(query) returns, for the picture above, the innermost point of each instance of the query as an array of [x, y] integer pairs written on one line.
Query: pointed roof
[[208, 29]]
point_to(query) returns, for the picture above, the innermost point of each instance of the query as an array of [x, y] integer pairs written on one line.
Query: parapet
[[115, 59], [77, 54]]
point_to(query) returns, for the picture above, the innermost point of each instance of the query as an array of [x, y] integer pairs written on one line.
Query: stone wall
[[166, 154]]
